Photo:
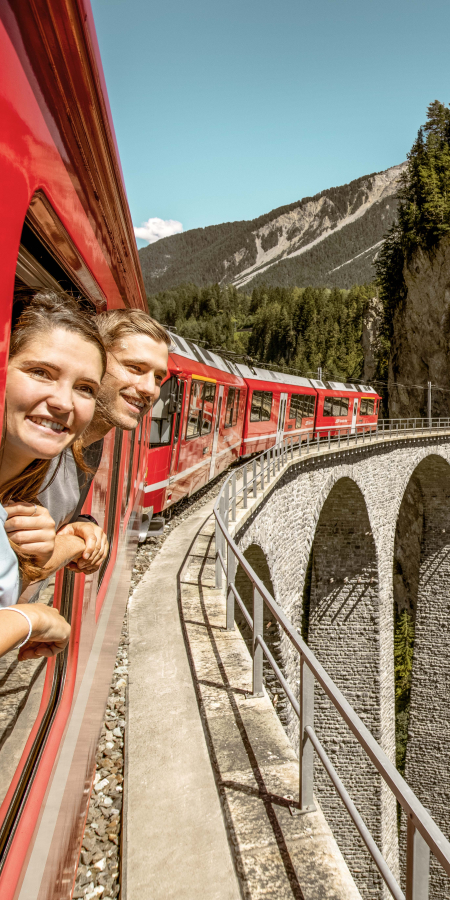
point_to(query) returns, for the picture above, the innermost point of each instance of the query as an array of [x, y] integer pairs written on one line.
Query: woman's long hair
[[45, 311]]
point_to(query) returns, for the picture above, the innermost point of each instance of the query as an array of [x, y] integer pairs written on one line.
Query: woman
[[56, 364]]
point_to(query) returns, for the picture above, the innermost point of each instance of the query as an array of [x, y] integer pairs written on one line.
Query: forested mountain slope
[[330, 239]]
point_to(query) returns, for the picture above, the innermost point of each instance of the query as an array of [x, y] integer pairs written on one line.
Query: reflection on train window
[[232, 410], [335, 406], [367, 407], [162, 414], [201, 405], [261, 406], [21, 685], [302, 406]]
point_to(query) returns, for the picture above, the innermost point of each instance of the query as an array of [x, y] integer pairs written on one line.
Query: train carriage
[[345, 408], [64, 223], [196, 428]]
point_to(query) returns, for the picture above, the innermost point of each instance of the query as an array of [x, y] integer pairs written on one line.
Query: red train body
[[64, 222], [213, 410]]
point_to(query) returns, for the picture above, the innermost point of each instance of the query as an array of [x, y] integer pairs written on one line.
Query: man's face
[[137, 365]]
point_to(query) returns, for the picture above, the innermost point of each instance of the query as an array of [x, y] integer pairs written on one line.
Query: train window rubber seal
[[11, 821]]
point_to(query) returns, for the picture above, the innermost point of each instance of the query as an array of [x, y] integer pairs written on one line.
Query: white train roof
[[190, 350]]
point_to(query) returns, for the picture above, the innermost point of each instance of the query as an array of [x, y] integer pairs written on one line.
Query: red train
[[64, 221], [213, 410]]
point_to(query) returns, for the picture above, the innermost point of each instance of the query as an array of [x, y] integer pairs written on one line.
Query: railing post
[[261, 470], [348, 437], [306, 749], [329, 439], [233, 497], [414, 427], [339, 438], [226, 512], [318, 441], [254, 478], [244, 483], [417, 865], [231, 575], [258, 627], [274, 468], [278, 456], [218, 579], [268, 467], [307, 442], [292, 448]]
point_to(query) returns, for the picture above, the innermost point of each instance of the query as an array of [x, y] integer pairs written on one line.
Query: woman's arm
[[49, 630], [32, 530]]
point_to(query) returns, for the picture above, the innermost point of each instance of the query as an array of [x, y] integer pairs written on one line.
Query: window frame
[[263, 395], [212, 387], [329, 414]]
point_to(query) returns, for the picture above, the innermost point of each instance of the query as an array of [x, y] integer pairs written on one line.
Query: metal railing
[[423, 835]]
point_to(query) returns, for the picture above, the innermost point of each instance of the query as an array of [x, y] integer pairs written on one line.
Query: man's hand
[[32, 529], [96, 549], [50, 632]]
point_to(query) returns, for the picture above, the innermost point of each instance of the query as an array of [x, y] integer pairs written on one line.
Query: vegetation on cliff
[[302, 328], [423, 215]]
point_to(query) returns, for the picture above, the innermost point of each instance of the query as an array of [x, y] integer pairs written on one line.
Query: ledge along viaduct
[[347, 536]]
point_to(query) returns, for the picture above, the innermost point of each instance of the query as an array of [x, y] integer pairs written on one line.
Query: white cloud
[[155, 228]]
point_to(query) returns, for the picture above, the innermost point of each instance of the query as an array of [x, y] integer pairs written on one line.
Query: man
[[137, 350]]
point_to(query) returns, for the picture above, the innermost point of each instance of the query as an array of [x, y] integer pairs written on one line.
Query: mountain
[[331, 239]]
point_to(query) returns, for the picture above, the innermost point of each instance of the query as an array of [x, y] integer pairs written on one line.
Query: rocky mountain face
[[331, 239], [421, 337]]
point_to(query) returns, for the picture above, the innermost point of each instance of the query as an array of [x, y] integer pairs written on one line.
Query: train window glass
[[255, 412], [266, 406], [236, 407], [162, 414], [113, 491], [335, 406], [201, 405], [302, 405], [367, 407], [180, 395], [130, 462], [230, 407], [209, 393]]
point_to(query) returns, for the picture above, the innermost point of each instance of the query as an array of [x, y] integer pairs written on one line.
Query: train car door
[[216, 432], [281, 417], [355, 410]]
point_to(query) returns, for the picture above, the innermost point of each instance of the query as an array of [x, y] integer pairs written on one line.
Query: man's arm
[[68, 548]]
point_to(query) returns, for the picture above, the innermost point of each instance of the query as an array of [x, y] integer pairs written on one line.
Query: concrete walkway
[[210, 772]]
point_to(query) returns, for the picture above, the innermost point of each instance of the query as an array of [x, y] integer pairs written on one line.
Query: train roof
[[190, 350]]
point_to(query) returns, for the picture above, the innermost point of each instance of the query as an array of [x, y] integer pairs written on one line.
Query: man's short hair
[[117, 323]]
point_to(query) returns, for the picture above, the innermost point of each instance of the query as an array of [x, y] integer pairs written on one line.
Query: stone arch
[[422, 587], [345, 632]]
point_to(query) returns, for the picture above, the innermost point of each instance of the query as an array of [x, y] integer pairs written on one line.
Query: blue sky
[[226, 110]]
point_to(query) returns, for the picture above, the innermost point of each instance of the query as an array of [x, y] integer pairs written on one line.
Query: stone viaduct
[[351, 540]]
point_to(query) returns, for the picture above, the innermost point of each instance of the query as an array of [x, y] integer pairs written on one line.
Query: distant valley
[[329, 240]]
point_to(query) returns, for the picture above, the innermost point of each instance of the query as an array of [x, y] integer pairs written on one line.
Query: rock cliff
[[420, 350]]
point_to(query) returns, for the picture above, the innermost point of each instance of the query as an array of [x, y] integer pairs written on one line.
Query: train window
[[367, 407], [113, 491], [335, 406], [261, 406], [302, 406], [180, 395], [201, 405], [236, 407], [162, 414], [230, 407]]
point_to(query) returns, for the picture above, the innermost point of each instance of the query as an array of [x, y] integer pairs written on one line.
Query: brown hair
[[116, 323], [45, 311]]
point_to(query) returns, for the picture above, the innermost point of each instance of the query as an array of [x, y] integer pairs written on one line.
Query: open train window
[[162, 414], [335, 406], [113, 492], [261, 406], [302, 406], [201, 406], [367, 407]]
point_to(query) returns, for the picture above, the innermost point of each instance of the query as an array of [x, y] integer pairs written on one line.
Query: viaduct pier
[[343, 539]]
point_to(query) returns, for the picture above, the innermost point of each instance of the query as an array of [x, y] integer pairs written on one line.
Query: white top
[[9, 567]]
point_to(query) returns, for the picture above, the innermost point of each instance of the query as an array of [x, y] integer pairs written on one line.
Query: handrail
[[423, 834]]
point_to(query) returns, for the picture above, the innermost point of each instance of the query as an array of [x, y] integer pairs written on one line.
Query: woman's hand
[[97, 546], [32, 529], [50, 631]]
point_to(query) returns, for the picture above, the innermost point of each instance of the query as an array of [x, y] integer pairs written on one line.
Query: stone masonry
[[336, 518]]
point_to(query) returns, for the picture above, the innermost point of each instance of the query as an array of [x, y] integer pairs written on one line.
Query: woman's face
[[51, 388]]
